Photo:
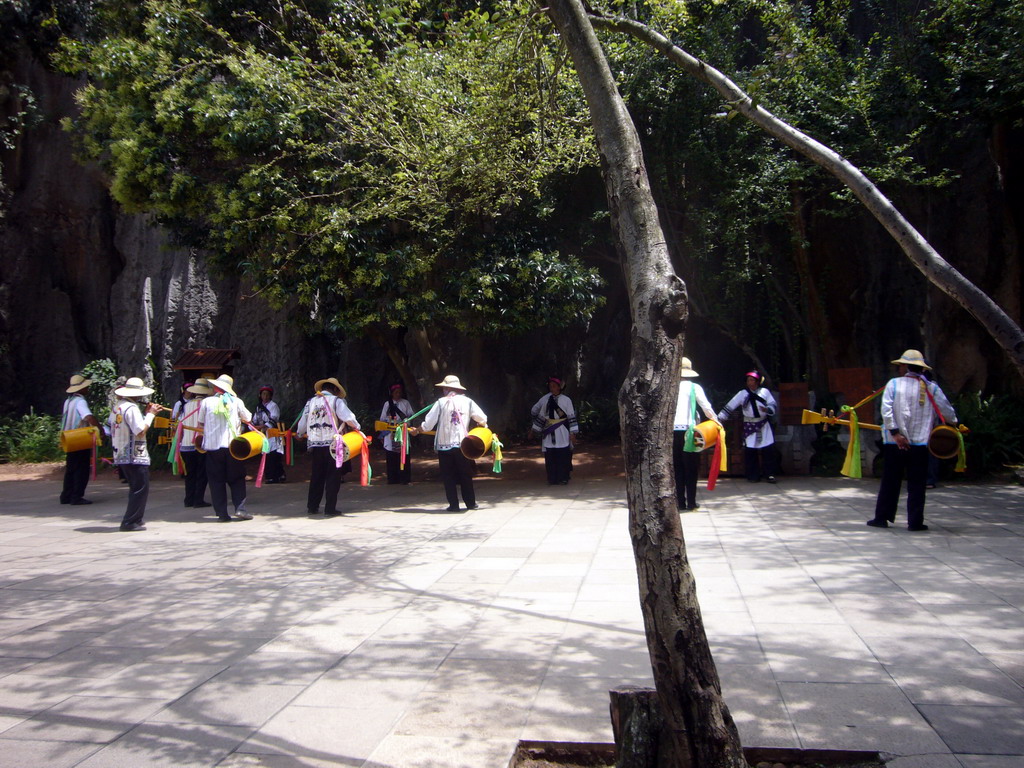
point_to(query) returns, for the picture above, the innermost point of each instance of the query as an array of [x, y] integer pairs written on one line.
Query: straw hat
[[200, 389], [333, 381], [686, 369], [451, 382], [913, 357], [223, 382], [134, 387], [78, 383]]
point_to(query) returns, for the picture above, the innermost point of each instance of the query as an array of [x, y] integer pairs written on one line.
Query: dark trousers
[[759, 462], [912, 462], [395, 473], [558, 464], [76, 475], [138, 493], [457, 472], [686, 465], [223, 471], [324, 480], [195, 477], [274, 468]]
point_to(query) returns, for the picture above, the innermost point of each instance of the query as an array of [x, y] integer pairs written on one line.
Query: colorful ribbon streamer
[[496, 449], [852, 464], [719, 460]]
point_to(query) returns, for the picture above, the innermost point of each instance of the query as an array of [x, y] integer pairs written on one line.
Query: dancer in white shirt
[[221, 416], [451, 415], [909, 411]]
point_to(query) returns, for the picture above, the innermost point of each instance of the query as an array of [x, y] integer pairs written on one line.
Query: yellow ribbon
[[851, 466]]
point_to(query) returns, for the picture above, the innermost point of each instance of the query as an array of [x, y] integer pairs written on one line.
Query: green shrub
[[996, 439], [100, 395], [598, 418], [33, 437]]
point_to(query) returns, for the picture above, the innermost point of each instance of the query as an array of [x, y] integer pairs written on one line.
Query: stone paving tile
[[166, 682], [398, 751], [858, 716], [21, 693], [218, 702], [514, 619], [988, 687], [51, 754], [979, 730], [344, 736], [169, 745], [85, 719]]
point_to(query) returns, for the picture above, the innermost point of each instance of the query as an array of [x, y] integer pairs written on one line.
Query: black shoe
[[80, 502], [472, 506], [312, 511], [224, 518], [134, 527], [202, 505], [921, 527], [452, 509], [64, 501], [335, 513], [771, 479], [878, 523]]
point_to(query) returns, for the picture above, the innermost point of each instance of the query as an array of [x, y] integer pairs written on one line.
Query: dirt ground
[[522, 462]]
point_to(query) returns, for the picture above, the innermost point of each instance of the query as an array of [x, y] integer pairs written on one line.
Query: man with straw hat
[[76, 414], [131, 453], [685, 456], [554, 419], [451, 415], [220, 417], [325, 416], [194, 461], [910, 404]]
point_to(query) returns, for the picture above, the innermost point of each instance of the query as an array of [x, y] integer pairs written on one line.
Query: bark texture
[[685, 676]]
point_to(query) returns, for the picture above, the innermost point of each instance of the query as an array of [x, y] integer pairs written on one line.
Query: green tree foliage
[[382, 163], [869, 79]]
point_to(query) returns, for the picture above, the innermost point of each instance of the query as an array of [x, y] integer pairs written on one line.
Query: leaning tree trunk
[[1006, 332], [704, 735]]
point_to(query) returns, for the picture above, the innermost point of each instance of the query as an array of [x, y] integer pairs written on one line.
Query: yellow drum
[[705, 435], [79, 439], [246, 445], [944, 442], [351, 445], [354, 442], [476, 443]]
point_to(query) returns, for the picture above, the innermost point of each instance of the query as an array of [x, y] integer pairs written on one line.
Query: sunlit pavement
[[402, 635]]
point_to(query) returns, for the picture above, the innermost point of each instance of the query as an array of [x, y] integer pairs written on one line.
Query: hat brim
[[199, 389], [223, 386], [333, 382], [918, 363], [689, 373], [450, 386], [133, 391], [78, 387]]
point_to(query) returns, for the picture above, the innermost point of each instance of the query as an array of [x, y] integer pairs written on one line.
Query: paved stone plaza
[[401, 636]]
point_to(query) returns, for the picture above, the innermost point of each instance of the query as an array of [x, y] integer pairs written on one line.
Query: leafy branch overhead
[[381, 164]]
